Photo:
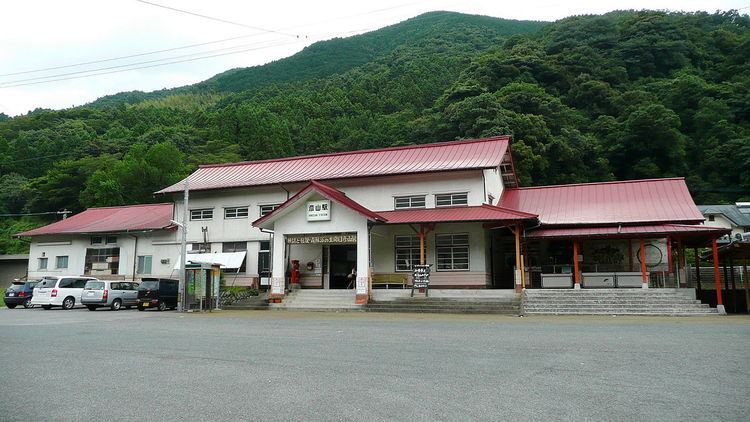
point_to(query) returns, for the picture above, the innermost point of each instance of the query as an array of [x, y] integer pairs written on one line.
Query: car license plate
[[145, 304], [11, 294], [90, 293]]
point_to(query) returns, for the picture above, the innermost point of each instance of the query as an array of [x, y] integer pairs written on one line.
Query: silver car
[[112, 294]]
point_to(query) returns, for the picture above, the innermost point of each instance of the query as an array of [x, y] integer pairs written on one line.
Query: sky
[[43, 34]]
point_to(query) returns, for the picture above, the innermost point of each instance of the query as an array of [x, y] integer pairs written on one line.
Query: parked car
[[159, 293], [111, 294], [19, 293], [64, 291]]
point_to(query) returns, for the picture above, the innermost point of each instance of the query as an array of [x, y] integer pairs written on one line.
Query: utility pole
[[182, 305]]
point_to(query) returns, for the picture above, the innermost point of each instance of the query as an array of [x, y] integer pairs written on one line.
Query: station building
[[362, 219]]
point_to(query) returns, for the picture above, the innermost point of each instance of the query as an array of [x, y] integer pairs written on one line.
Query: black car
[[19, 293], [159, 293]]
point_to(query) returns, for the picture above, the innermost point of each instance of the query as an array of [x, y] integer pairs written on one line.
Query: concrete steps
[[671, 302], [318, 300], [254, 303], [446, 301]]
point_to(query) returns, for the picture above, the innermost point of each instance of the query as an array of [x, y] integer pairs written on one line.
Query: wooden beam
[[717, 275], [517, 278], [576, 270]]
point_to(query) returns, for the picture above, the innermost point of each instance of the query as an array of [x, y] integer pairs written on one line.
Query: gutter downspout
[[135, 255]]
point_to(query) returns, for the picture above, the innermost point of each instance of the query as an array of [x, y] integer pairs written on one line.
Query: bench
[[390, 279]]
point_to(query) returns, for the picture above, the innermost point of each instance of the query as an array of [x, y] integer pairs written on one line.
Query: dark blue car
[[19, 293]]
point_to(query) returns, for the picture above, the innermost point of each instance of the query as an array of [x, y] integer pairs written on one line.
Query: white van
[[64, 291]]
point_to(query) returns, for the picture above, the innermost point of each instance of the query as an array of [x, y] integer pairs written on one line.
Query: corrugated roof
[[677, 230], [327, 192], [454, 214], [442, 156], [110, 220], [626, 202], [732, 212]]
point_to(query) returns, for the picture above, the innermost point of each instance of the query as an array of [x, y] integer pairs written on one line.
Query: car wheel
[[116, 305], [13, 306], [68, 303], [27, 303], [162, 306], [46, 307], [141, 308], [91, 307]]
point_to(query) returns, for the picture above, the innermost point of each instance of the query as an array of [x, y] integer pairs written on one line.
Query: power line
[[146, 67], [130, 56], [126, 65], [217, 19], [63, 212]]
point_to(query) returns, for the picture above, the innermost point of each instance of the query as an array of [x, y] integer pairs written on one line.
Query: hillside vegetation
[[618, 96]]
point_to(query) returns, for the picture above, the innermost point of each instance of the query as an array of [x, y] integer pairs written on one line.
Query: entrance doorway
[[343, 260]]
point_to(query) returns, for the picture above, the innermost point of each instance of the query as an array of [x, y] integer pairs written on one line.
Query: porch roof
[[638, 231], [483, 212]]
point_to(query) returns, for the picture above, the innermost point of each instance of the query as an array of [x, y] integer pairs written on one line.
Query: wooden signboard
[[421, 279]]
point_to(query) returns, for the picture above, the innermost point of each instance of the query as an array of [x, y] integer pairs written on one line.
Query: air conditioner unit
[[165, 261]]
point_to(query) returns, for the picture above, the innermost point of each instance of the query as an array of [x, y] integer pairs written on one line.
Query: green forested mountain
[[618, 96]]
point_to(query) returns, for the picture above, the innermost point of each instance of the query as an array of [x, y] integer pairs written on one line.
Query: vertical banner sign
[[276, 286], [362, 283], [421, 279]]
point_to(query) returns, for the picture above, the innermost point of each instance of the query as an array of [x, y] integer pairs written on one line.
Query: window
[[200, 247], [711, 218], [111, 240], [414, 201], [407, 252], [202, 214], [97, 240], [79, 283], [144, 264], [235, 212], [451, 199], [266, 209], [264, 259], [42, 263], [235, 247], [102, 261], [61, 262], [452, 252]]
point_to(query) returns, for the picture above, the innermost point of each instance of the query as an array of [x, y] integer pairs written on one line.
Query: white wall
[[723, 222]]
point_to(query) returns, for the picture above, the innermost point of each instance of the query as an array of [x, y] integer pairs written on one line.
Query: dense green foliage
[[619, 96]]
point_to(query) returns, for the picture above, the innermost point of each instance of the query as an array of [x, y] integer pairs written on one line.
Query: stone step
[[614, 301], [616, 310], [457, 307], [635, 313], [511, 311]]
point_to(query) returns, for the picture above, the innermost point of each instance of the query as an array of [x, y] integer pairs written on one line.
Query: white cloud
[[36, 34]]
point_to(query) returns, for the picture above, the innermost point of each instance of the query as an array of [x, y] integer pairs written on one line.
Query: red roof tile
[[435, 215], [443, 156], [110, 220], [328, 193], [627, 231], [632, 201]]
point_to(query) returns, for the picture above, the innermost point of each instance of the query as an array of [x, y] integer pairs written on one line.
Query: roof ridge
[[610, 182], [126, 206], [361, 151]]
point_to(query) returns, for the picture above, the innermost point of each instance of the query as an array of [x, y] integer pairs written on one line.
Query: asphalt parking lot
[[81, 365]]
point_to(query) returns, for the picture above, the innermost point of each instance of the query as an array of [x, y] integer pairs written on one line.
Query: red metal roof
[[632, 201], [436, 215], [676, 230], [327, 192], [442, 156], [110, 220]]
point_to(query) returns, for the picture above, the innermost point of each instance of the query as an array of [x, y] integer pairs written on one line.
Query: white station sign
[[319, 210]]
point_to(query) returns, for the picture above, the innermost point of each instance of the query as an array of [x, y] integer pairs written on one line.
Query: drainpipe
[[135, 255]]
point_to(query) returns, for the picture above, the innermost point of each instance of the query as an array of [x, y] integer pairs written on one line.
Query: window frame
[[452, 247], [410, 199], [452, 199], [202, 212], [57, 262], [411, 249], [261, 206], [108, 238], [39, 263], [94, 242], [236, 212], [142, 259]]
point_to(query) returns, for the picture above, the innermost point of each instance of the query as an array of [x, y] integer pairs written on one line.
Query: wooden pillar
[[644, 272], [576, 270], [697, 270], [421, 246], [717, 278]]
